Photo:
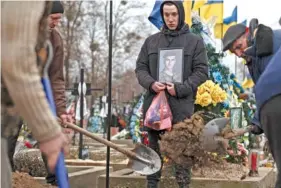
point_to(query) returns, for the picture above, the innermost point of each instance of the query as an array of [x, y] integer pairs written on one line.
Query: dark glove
[[256, 130]]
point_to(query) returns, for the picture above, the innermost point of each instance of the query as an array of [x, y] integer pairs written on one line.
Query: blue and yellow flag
[[212, 8], [248, 82], [221, 28], [155, 15], [244, 22], [197, 4], [187, 4]]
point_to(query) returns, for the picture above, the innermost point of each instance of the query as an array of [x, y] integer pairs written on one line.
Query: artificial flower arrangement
[[134, 125], [210, 93]]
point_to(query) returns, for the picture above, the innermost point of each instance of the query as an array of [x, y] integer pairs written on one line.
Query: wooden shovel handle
[[126, 152]]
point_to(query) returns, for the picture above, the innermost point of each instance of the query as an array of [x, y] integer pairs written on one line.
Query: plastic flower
[[210, 93], [226, 114], [201, 90], [217, 77], [204, 100], [209, 84], [225, 86], [215, 94], [218, 95], [226, 104], [166, 159]]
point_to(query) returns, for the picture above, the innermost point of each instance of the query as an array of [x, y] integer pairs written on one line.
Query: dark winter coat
[[195, 68], [270, 85]]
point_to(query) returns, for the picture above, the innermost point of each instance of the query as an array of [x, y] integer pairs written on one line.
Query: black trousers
[[12, 141], [183, 174], [270, 116]]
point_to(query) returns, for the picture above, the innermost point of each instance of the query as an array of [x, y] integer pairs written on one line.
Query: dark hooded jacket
[[195, 66], [269, 41]]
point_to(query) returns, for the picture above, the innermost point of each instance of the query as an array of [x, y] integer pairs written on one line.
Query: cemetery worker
[[56, 77], [268, 99], [56, 73], [22, 93], [257, 50], [175, 33]]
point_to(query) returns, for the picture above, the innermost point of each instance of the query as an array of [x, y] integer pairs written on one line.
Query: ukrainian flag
[[248, 82], [155, 15], [221, 28], [212, 8], [197, 4], [187, 4]]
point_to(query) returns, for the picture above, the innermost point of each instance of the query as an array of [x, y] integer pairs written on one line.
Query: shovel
[[142, 159], [61, 172], [211, 139]]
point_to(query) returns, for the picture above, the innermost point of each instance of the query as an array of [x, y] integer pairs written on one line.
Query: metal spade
[[142, 159], [211, 139]]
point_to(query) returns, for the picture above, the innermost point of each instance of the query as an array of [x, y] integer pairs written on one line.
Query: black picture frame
[[178, 67]]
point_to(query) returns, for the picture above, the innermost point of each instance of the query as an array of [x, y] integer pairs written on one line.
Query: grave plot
[[127, 178], [88, 162], [29, 161]]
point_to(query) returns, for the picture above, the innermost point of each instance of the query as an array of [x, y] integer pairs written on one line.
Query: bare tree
[[124, 37], [71, 31], [128, 31], [94, 18], [85, 29]]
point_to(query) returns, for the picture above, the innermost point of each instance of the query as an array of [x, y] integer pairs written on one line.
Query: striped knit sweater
[[20, 74]]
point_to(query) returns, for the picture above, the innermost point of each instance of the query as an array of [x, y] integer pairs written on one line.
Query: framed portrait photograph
[[236, 117], [170, 65]]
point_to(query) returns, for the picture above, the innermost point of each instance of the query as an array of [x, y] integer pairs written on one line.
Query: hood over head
[[181, 13]]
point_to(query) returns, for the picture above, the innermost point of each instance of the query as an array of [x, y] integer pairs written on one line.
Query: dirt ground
[[182, 146], [23, 180], [226, 171]]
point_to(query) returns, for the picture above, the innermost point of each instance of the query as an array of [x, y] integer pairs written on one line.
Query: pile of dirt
[[227, 132], [23, 180], [214, 170], [228, 171], [182, 145]]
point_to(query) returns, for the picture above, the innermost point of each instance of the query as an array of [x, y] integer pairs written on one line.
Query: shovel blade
[[147, 154], [209, 138]]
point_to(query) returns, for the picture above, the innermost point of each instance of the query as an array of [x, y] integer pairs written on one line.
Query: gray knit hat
[[57, 7]]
